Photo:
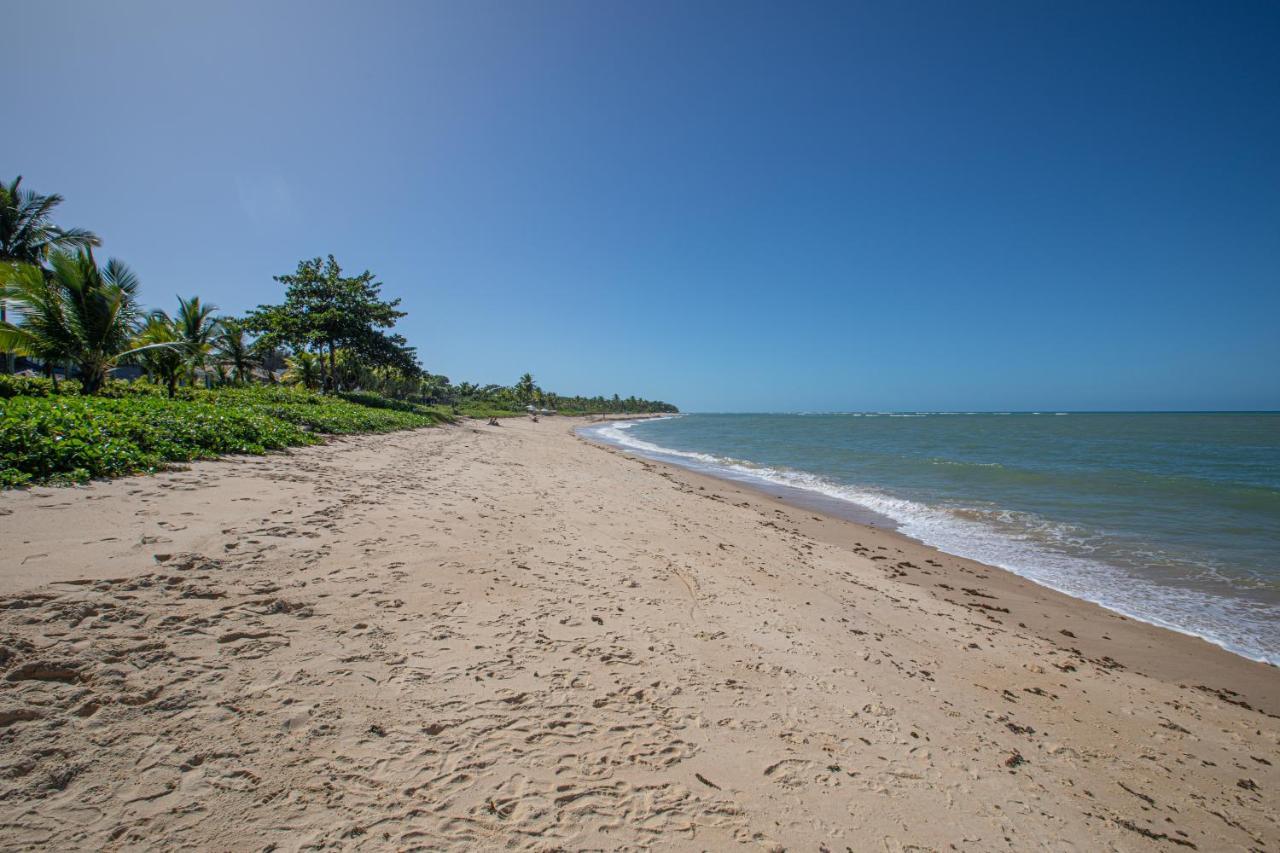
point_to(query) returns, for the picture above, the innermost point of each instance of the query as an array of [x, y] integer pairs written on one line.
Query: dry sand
[[490, 638]]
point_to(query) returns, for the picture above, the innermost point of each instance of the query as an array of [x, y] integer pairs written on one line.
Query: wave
[[1049, 553]]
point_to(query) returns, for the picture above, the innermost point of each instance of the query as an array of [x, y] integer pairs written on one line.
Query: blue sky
[[738, 206]]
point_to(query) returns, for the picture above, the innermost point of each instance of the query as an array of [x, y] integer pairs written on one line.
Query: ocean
[[1171, 518]]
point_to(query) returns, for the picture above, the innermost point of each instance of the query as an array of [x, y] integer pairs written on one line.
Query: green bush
[[377, 401], [117, 388], [34, 386], [70, 438], [480, 409]]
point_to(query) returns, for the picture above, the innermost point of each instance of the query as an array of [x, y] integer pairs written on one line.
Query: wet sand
[[506, 637]]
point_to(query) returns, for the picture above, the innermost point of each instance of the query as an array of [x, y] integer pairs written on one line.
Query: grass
[[135, 428]]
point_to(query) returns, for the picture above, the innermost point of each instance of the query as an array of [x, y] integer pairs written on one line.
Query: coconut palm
[[303, 368], [524, 389], [233, 351], [347, 368], [197, 327], [25, 288], [75, 312], [27, 236], [161, 354]]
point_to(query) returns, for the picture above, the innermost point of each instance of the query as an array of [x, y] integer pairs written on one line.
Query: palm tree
[[24, 287], [303, 368], [27, 236], [233, 350], [524, 389], [161, 353], [346, 368], [197, 327], [77, 312]]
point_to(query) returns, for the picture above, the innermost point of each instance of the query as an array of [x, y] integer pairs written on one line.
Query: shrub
[[70, 438], [34, 386]]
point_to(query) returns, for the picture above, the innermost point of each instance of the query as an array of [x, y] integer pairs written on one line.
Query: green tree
[[197, 328], [302, 368], [78, 312], [327, 311], [233, 351], [159, 351], [524, 389], [28, 235]]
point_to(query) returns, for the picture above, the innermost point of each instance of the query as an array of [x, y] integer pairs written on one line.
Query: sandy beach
[[506, 637]]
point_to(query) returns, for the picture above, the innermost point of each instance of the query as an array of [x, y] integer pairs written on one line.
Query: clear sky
[[739, 206]]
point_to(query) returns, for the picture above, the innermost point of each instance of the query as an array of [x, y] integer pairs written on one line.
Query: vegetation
[[162, 363], [28, 235], [76, 312], [214, 384], [68, 437], [324, 311]]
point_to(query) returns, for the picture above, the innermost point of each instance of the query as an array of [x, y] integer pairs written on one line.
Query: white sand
[[493, 638]]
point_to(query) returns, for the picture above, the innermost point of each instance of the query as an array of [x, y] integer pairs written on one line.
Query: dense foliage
[[28, 236], [324, 311], [67, 437], [74, 312], [494, 399], [214, 384]]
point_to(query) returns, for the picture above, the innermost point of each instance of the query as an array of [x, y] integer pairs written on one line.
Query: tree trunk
[[9, 362], [333, 370], [90, 379], [173, 385]]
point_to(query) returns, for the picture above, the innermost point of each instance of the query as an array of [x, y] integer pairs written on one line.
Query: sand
[[508, 638]]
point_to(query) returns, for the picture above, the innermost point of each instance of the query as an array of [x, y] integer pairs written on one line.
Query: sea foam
[[1020, 543]]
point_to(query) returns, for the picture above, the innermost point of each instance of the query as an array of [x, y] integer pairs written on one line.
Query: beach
[[478, 637]]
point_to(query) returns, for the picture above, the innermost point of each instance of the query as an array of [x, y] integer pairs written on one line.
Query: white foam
[[1019, 543]]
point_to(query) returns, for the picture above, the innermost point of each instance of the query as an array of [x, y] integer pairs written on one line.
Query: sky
[[731, 206]]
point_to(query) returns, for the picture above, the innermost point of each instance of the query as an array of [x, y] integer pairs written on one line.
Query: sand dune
[[507, 638]]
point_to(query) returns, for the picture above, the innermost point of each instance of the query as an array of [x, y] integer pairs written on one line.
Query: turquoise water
[[1169, 518]]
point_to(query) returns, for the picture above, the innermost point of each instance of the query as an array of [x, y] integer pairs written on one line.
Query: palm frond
[[27, 232], [16, 339], [118, 274], [74, 238]]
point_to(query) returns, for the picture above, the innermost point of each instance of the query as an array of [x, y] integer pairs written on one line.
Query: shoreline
[[1154, 650], [476, 637], [849, 511]]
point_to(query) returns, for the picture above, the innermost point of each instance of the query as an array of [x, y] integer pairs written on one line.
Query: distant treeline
[[67, 316], [438, 389]]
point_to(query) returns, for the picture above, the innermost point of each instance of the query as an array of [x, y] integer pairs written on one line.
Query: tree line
[[333, 332]]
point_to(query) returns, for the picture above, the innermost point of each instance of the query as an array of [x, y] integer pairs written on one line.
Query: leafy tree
[[433, 388], [28, 236], [325, 310], [79, 313]]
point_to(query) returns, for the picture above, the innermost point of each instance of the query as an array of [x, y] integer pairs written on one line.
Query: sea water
[[1171, 518]]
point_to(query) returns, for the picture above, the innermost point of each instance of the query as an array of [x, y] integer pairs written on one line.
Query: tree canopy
[[331, 332], [75, 312], [28, 235], [325, 311]]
